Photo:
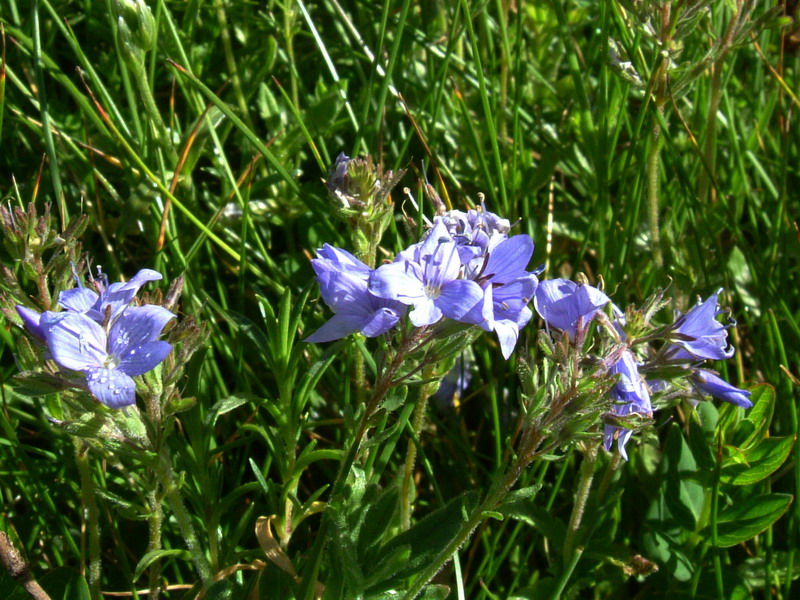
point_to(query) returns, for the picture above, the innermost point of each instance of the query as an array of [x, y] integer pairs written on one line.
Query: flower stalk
[[163, 469], [90, 515], [529, 449], [572, 550], [417, 422], [154, 521]]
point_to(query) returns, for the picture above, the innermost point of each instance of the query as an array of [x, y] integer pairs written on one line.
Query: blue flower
[[330, 258], [630, 396], [709, 383], [566, 305], [343, 282], [475, 232], [426, 276], [507, 289], [109, 300], [32, 321], [701, 336], [109, 357], [466, 268]]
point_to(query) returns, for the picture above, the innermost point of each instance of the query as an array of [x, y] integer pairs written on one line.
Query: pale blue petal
[[79, 299], [524, 317], [622, 435], [119, 295], [512, 298], [507, 334], [715, 386], [442, 266], [342, 290], [631, 392], [381, 321], [563, 303], [509, 259], [482, 314], [397, 281], [141, 359], [31, 320], [338, 326], [112, 387], [436, 236], [708, 338], [458, 297], [340, 260], [136, 326], [425, 313], [76, 342], [701, 320]]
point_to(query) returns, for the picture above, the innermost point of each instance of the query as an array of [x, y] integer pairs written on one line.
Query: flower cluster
[[101, 336], [693, 337], [466, 268]]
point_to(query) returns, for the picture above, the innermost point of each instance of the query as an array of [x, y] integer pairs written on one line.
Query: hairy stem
[[154, 521], [652, 192], [17, 567], [705, 178], [528, 451], [173, 496], [382, 387], [90, 514], [159, 128], [417, 421], [571, 547]]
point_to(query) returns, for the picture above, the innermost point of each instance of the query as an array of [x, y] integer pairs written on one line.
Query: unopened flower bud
[[137, 27], [361, 190]]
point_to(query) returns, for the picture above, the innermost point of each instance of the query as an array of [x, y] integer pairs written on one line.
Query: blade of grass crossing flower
[[55, 174], [329, 63], [246, 131], [69, 35], [323, 164], [387, 78], [2, 77], [487, 110]]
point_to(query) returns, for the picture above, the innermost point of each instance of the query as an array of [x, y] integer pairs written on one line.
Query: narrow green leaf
[[312, 457], [428, 537], [239, 124], [226, 405], [154, 555], [537, 517]]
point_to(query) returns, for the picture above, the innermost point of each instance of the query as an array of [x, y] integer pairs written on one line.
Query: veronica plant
[[604, 375], [467, 274], [692, 338], [96, 350]]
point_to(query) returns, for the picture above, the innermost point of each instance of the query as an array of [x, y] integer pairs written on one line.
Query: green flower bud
[[137, 26], [360, 190]]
